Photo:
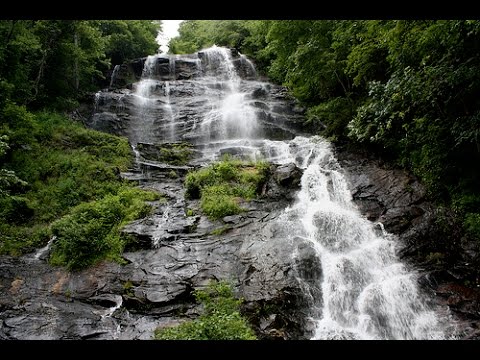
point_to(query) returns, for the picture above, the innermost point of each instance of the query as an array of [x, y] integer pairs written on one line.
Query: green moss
[[172, 153], [172, 174], [220, 231], [128, 288], [472, 225], [435, 257], [178, 154], [223, 185], [221, 319]]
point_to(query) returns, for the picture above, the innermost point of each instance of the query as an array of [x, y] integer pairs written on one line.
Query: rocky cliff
[[177, 249]]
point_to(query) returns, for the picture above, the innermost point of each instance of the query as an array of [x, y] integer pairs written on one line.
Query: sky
[[170, 29]]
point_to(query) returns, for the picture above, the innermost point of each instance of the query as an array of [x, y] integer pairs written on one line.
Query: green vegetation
[[57, 169], [54, 63], [129, 39], [128, 288], [172, 153], [190, 212], [222, 185], [91, 231], [405, 89], [221, 319], [56, 177], [220, 231]]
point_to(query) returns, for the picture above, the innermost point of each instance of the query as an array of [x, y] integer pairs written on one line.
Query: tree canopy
[[52, 63]]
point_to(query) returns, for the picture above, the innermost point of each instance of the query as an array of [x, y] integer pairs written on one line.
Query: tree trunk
[[77, 80], [10, 33]]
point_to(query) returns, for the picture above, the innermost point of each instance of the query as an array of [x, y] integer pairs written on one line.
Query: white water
[[169, 111], [114, 74], [42, 251], [366, 292], [232, 117], [144, 131]]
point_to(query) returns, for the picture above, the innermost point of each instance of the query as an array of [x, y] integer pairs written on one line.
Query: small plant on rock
[[221, 319]]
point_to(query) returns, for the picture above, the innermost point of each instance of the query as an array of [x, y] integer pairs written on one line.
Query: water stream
[[366, 291]]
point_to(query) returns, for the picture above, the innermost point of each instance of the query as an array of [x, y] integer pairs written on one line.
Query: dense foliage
[[56, 177], [406, 89], [222, 185], [221, 319], [56, 169], [53, 63], [91, 231]]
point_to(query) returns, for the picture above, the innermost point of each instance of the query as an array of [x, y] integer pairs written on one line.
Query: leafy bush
[[171, 153], [472, 225], [221, 319], [331, 117], [91, 231], [217, 201], [221, 185]]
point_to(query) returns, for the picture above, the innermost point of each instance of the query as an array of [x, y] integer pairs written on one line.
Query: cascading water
[[233, 117], [364, 291], [145, 103], [169, 110], [114, 74]]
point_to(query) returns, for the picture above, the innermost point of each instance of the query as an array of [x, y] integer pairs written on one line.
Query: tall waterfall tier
[[212, 99]]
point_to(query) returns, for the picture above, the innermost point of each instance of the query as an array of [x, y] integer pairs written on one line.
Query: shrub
[[50, 165], [472, 225], [221, 185], [91, 232], [217, 201], [221, 319]]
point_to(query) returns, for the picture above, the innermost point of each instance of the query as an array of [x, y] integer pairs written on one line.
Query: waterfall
[[367, 293], [232, 117], [144, 131], [214, 100], [116, 69], [169, 111], [40, 253]]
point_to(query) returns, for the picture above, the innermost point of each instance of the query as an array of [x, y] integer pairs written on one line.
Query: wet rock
[[108, 122], [430, 239], [282, 183], [127, 73], [288, 175], [186, 69]]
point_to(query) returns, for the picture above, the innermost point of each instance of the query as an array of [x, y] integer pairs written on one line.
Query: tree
[[129, 39]]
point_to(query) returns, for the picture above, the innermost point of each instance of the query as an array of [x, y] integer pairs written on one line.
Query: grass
[[220, 231], [223, 185]]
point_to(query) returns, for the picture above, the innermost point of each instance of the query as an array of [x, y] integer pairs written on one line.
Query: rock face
[[429, 237], [178, 96], [174, 254], [176, 249], [126, 74]]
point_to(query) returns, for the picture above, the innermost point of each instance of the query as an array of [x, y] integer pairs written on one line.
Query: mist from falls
[[214, 99]]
